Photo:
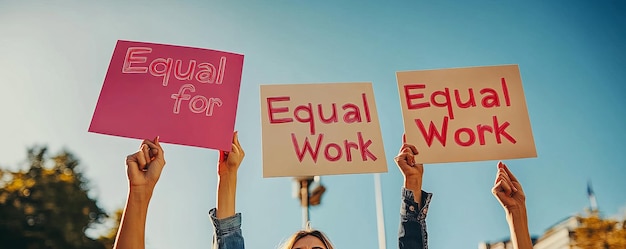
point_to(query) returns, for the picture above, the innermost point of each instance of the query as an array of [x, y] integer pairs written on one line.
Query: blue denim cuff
[[226, 225], [411, 211]]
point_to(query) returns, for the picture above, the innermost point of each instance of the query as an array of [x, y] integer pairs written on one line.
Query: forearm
[[518, 226], [414, 184], [131, 233], [226, 195]]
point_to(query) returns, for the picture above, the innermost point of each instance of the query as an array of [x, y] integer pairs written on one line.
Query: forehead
[[309, 242]]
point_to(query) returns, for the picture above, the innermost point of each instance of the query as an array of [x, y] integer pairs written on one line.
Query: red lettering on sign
[[501, 130], [464, 136], [308, 110], [271, 110], [306, 147], [333, 116], [410, 97], [471, 137], [505, 90], [306, 113], [337, 150], [333, 151], [366, 107], [446, 95], [481, 129], [433, 132], [442, 98], [471, 102]]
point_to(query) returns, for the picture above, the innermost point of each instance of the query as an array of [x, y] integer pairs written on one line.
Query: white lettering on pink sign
[[136, 61]]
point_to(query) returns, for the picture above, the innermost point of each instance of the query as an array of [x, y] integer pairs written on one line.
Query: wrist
[[515, 214], [227, 177], [413, 183], [141, 191], [140, 195]]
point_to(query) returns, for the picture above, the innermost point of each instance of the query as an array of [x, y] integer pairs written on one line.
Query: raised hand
[[411, 170], [227, 179], [509, 193], [229, 161], [144, 167], [508, 190], [406, 161]]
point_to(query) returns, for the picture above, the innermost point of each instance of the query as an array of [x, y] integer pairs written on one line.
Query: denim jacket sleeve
[[227, 233], [412, 234]]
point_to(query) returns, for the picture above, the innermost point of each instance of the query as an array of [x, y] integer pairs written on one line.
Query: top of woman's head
[[307, 239]]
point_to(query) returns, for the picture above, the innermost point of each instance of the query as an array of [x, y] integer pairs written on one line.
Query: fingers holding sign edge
[[235, 148], [155, 149]]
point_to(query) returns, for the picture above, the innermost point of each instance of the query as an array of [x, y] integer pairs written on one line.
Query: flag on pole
[[592, 197]]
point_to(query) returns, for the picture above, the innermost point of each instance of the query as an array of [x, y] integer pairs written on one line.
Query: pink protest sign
[[185, 95]]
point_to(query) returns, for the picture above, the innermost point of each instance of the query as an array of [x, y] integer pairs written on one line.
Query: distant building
[[558, 236], [502, 244]]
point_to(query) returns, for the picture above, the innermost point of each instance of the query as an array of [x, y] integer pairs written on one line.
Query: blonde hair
[[307, 231]]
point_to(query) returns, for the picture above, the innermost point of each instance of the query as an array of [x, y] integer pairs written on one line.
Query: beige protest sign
[[320, 129], [466, 114]]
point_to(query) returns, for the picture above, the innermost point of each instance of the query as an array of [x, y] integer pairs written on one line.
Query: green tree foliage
[[595, 232], [108, 239], [47, 205]]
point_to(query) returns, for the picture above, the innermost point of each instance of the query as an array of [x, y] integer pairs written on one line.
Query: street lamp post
[[309, 198]]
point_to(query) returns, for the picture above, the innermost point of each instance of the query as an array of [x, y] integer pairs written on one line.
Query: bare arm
[[143, 168], [509, 193], [227, 179]]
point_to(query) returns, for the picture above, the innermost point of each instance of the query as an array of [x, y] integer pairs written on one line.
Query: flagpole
[[592, 197], [380, 219]]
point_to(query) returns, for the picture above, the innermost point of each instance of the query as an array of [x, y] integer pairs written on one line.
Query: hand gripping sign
[[466, 114], [185, 95], [320, 129]]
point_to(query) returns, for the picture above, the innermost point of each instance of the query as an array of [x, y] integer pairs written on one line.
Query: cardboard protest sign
[[185, 95], [466, 114], [320, 129]]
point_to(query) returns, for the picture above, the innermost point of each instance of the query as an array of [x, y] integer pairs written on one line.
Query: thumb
[[498, 192], [132, 165]]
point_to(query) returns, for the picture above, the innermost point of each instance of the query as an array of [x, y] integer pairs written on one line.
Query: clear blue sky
[[571, 54]]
